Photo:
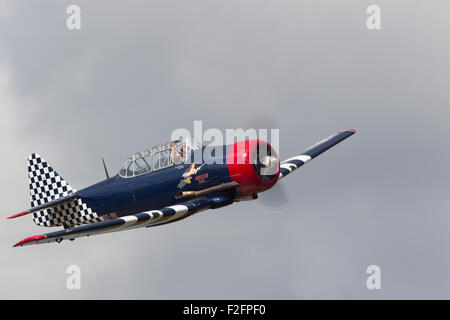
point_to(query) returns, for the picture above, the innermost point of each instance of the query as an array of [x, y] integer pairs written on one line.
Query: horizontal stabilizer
[[47, 205]]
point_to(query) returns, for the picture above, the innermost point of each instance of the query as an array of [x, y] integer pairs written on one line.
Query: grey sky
[[139, 69]]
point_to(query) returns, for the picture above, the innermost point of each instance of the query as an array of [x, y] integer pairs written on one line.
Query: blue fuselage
[[120, 196]]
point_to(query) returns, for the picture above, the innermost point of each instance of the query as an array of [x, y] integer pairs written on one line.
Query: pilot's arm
[[172, 155], [176, 156]]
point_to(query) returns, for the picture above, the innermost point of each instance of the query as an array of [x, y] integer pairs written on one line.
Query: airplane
[[158, 186]]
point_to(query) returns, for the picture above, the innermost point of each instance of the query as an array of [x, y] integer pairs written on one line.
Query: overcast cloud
[[139, 69]]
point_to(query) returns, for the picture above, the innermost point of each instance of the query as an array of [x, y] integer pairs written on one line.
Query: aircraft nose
[[254, 165]]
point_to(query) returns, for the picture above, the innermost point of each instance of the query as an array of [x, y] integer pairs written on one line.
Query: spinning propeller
[[275, 198]]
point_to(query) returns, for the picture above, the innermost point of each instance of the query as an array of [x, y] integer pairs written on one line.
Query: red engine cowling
[[254, 165]]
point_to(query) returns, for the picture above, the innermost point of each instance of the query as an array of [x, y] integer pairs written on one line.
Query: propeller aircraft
[[158, 186]]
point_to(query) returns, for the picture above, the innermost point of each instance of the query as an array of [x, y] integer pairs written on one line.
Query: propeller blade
[[274, 199]]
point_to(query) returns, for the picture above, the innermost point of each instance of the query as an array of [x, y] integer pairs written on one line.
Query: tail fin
[[47, 186], [45, 183]]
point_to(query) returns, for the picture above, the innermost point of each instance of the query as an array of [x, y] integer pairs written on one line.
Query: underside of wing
[[144, 219], [289, 165]]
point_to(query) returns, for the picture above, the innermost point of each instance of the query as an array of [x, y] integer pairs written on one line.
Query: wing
[[144, 219], [289, 165]]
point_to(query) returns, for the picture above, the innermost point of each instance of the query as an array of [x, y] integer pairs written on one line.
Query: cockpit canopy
[[159, 157]]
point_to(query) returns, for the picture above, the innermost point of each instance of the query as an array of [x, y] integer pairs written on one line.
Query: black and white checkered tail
[[47, 185]]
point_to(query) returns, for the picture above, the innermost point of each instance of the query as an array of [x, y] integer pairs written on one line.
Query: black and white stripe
[[144, 219], [289, 165]]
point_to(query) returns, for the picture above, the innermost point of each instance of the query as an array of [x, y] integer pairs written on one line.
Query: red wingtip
[[19, 214], [352, 130], [30, 239]]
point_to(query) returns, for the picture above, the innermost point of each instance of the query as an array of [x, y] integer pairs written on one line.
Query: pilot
[[176, 154]]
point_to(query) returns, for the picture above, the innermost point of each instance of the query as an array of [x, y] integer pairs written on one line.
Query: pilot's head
[[174, 143]]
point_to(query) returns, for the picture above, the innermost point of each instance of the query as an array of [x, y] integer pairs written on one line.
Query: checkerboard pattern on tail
[[68, 214], [47, 185]]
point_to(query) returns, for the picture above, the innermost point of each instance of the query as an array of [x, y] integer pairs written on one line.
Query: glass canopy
[[159, 157]]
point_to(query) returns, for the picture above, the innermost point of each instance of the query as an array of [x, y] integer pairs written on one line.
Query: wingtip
[[29, 239], [353, 131], [19, 214]]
